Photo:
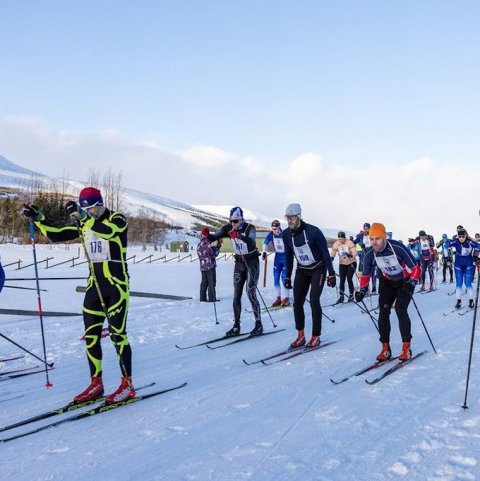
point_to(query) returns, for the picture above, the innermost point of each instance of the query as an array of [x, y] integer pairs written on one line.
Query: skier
[[105, 238], [279, 268], [427, 258], [476, 256], [414, 249], [464, 267], [400, 274], [363, 240], [207, 254], [346, 265], [243, 237], [308, 245], [447, 257]]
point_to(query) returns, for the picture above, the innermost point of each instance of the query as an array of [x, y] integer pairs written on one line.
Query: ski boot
[[313, 342], [286, 302], [258, 329], [422, 288], [339, 300], [234, 331], [406, 353], [92, 392], [471, 304], [458, 305], [299, 341], [278, 302], [123, 392], [385, 353]]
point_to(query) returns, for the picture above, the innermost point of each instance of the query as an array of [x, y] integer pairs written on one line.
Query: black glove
[[264, 256], [359, 295], [331, 281], [288, 283], [75, 211], [411, 282], [32, 211], [409, 285], [71, 207]]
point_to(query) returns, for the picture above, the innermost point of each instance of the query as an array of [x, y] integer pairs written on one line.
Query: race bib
[[98, 249], [389, 265], [239, 247], [279, 245]]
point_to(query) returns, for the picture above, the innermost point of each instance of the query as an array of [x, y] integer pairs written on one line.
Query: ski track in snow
[[237, 422]]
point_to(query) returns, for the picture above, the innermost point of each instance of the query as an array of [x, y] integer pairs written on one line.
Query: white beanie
[[293, 209]]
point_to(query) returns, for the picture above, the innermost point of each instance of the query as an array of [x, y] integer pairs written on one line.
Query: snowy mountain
[[12, 175], [134, 201]]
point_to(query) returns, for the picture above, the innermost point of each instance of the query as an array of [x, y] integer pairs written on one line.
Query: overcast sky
[[358, 110]]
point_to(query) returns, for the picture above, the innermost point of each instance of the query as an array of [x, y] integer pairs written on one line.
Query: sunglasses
[[462, 236], [234, 221], [291, 217], [275, 226]]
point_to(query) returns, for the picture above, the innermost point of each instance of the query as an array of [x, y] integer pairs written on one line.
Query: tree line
[[143, 228]]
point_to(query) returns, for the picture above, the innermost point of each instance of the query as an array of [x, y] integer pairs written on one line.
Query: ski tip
[[245, 362]]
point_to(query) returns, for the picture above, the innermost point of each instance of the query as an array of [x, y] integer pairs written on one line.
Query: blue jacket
[[317, 243], [410, 268]]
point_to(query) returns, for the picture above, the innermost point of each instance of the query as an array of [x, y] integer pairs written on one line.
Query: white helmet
[[293, 209]]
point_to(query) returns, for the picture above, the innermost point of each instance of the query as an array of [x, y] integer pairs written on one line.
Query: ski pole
[[471, 340], [424, 326], [265, 272], [102, 301], [365, 309], [43, 278], [256, 286], [26, 350], [26, 288], [215, 310], [39, 300]]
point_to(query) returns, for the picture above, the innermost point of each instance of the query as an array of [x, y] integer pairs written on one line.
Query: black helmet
[[341, 235], [422, 233]]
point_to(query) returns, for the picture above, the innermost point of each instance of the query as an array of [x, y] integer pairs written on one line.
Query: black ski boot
[[458, 305], [339, 300], [471, 305], [257, 330], [234, 331]]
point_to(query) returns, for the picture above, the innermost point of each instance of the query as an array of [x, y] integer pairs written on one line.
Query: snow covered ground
[[235, 422]]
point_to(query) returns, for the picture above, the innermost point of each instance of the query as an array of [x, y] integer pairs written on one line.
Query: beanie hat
[[205, 232], [275, 223], [90, 197], [378, 230], [341, 235], [236, 213]]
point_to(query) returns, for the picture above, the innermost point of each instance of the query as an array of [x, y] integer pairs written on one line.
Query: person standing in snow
[[244, 242], [207, 255], [307, 244], [464, 266], [363, 240], [399, 276], [427, 258], [447, 258], [346, 264], [275, 238], [105, 238]]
